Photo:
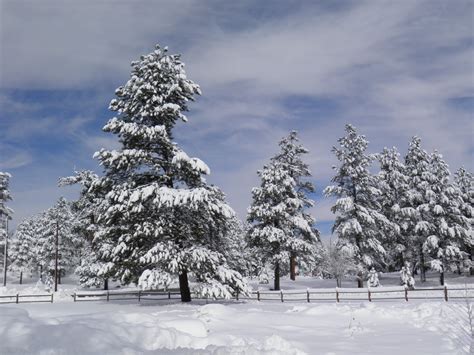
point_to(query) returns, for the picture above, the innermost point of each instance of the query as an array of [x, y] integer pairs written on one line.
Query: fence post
[[406, 294], [337, 295], [52, 296], [258, 295], [17, 296], [281, 294], [307, 295], [169, 295], [139, 295], [107, 296], [368, 293], [446, 293]]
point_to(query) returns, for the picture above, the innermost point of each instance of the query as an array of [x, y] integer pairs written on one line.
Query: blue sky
[[392, 68]]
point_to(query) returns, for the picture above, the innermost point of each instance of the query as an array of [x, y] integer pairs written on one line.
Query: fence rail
[[17, 298], [322, 295]]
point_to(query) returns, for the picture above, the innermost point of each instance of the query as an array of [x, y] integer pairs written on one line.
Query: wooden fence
[[320, 295], [17, 298]]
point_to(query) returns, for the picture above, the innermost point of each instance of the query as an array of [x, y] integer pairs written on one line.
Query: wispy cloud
[[394, 69]]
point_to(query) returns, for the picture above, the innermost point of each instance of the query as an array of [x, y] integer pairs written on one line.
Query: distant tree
[[465, 183], [359, 225], [338, 263], [56, 233], [291, 156], [22, 251], [280, 227], [448, 230], [5, 214], [394, 185], [86, 210], [417, 163], [159, 219]]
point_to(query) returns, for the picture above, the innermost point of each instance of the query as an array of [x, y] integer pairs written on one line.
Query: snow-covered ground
[[162, 327], [246, 328]]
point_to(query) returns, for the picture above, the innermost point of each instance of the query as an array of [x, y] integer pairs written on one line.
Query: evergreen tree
[[448, 229], [22, 252], [159, 219], [291, 152], [417, 162], [465, 183], [393, 184], [359, 225], [281, 227], [85, 226], [56, 234], [5, 214]]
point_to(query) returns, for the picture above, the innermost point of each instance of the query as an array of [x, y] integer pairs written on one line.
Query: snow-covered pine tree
[[85, 226], [359, 225], [393, 183], [56, 228], [465, 183], [159, 219], [417, 163], [291, 156], [441, 216], [280, 226], [5, 214], [22, 252]]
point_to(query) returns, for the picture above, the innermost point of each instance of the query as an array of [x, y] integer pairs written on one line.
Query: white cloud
[[391, 68]]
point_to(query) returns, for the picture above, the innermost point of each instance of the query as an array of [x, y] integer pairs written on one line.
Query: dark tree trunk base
[[277, 278], [184, 287], [21, 277], [106, 284], [293, 267]]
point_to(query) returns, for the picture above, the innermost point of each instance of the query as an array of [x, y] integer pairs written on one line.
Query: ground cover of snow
[[234, 328], [129, 327]]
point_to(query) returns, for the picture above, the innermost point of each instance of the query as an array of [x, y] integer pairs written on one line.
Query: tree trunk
[[422, 267], [106, 284], [360, 280], [21, 277], [277, 277], [338, 282], [458, 265], [41, 272], [293, 267], [471, 269], [441, 278], [184, 287], [59, 277]]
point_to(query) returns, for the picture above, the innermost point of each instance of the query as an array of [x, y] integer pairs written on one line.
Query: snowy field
[[126, 327], [245, 328]]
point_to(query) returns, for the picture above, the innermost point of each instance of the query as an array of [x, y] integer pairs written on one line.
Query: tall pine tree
[[5, 215], [160, 219], [448, 229], [417, 163], [280, 227], [393, 183], [465, 183], [22, 252], [359, 225]]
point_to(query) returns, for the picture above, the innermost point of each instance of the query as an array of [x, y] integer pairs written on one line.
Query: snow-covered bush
[[406, 279], [373, 279]]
